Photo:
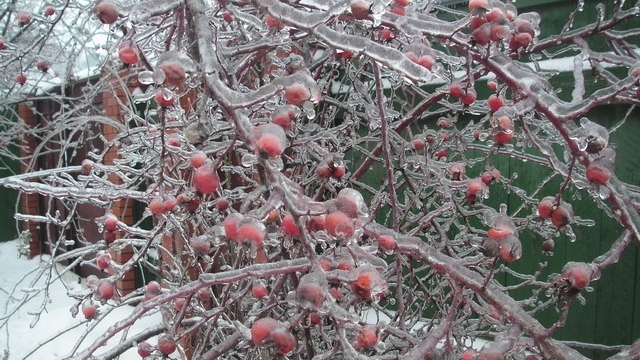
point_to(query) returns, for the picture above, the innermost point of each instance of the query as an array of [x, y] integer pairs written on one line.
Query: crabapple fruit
[[387, 242], [289, 225], [468, 97], [490, 176], [297, 93], [206, 179], [103, 260], [596, 173], [475, 188], [578, 274], [151, 290], [546, 207], [475, 4], [198, 159], [562, 215], [228, 17], [360, 9], [200, 245], [231, 225], [111, 222], [105, 289], [338, 224], [129, 53], [164, 98], [156, 206], [222, 204], [23, 18], [495, 102], [109, 236], [259, 290], [179, 303], [283, 340], [49, 11], [144, 349], [314, 318], [107, 12], [166, 345], [250, 231], [271, 140], [468, 354], [311, 290], [87, 166], [21, 79], [271, 21], [89, 309], [510, 249], [368, 284], [174, 73], [43, 65], [262, 328], [367, 337]]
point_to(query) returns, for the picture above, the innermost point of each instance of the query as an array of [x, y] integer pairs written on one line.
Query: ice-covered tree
[[315, 174]]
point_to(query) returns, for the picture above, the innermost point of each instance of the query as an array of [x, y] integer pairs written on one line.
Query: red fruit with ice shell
[[107, 12], [166, 345], [367, 337], [89, 309], [129, 53], [360, 9], [297, 93], [578, 274], [103, 260], [174, 73], [368, 284], [144, 349], [270, 140], [206, 179]]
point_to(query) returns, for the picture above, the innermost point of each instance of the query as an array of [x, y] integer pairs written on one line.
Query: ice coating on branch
[[146, 9], [590, 136]]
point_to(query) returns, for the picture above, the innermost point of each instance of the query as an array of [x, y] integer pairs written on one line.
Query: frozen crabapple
[[23, 18], [289, 225], [222, 204], [144, 349], [271, 21], [502, 227], [598, 173], [166, 345], [261, 330], [457, 171], [482, 34], [43, 65], [198, 159], [546, 207], [201, 245], [284, 116], [226, 16], [21, 79], [174, 73], [387, 242], [179, 303], [156, 206], [314, 318], [259, 290], [367, 337], [111, 222], [338, 224], [164, 98], [368, 284], [475, 4], [490, 176], [270, 140], [476, 189], [360, 9], [49, 11], [103, 260], [129, 53], [468, 354], [468, 97], [510, 249], [495, 102], [151, 290], [206, 179], [283, 340], [310, 293], [104, 289], [231, 225], [562, 215], [297, 93], [578, 274], [350, 202], [109, 236], [89, 309], [87, 166], [250, 231], [107, 12]]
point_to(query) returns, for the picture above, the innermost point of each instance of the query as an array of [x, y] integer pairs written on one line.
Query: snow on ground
[[20, 340]]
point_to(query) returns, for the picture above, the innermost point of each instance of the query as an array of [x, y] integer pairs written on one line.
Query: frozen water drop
[[249, 160], [146, 77]]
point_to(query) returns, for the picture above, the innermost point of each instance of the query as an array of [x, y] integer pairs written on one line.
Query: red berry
[[222, 204], [105, 289], [271, 22], [523, 39], [336, 293], [314, 318], [164, 98], [476, 21], [289, 226], [166, 345], [492, 85], [387, 242], [271, 140], [103, 260], [111, 222], [490, 176], [503, 137], [548, 245], [578, 274], [43, 65], [179, 303], [251, 231], [360, 9], [510, 249], [144, 349], [258, 290], [228, 17], [109, 236], [23, 18], [457, 171], [369, 285], [474, 4], [338, 172], [49, 11], [426, 61], [317, 223], [482, 35], [297, 93], [310, 294], [151, 290], [21, 79], [418, 144], [455, 90], [597, 173], [262, 328], [107, 12], [403, 2], [201, 245], [2, 44], [468, 354], [495, 15], [562, 215], [284, 340], [231, 226], [129, 53], [198, 159], [386, 34], [398, 10], [88, 309], [206, 179], [174, 73], [469, 97], [338, 224], [495, 103], [475, 188], [156, 206], [546, 207], [367, 337]]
